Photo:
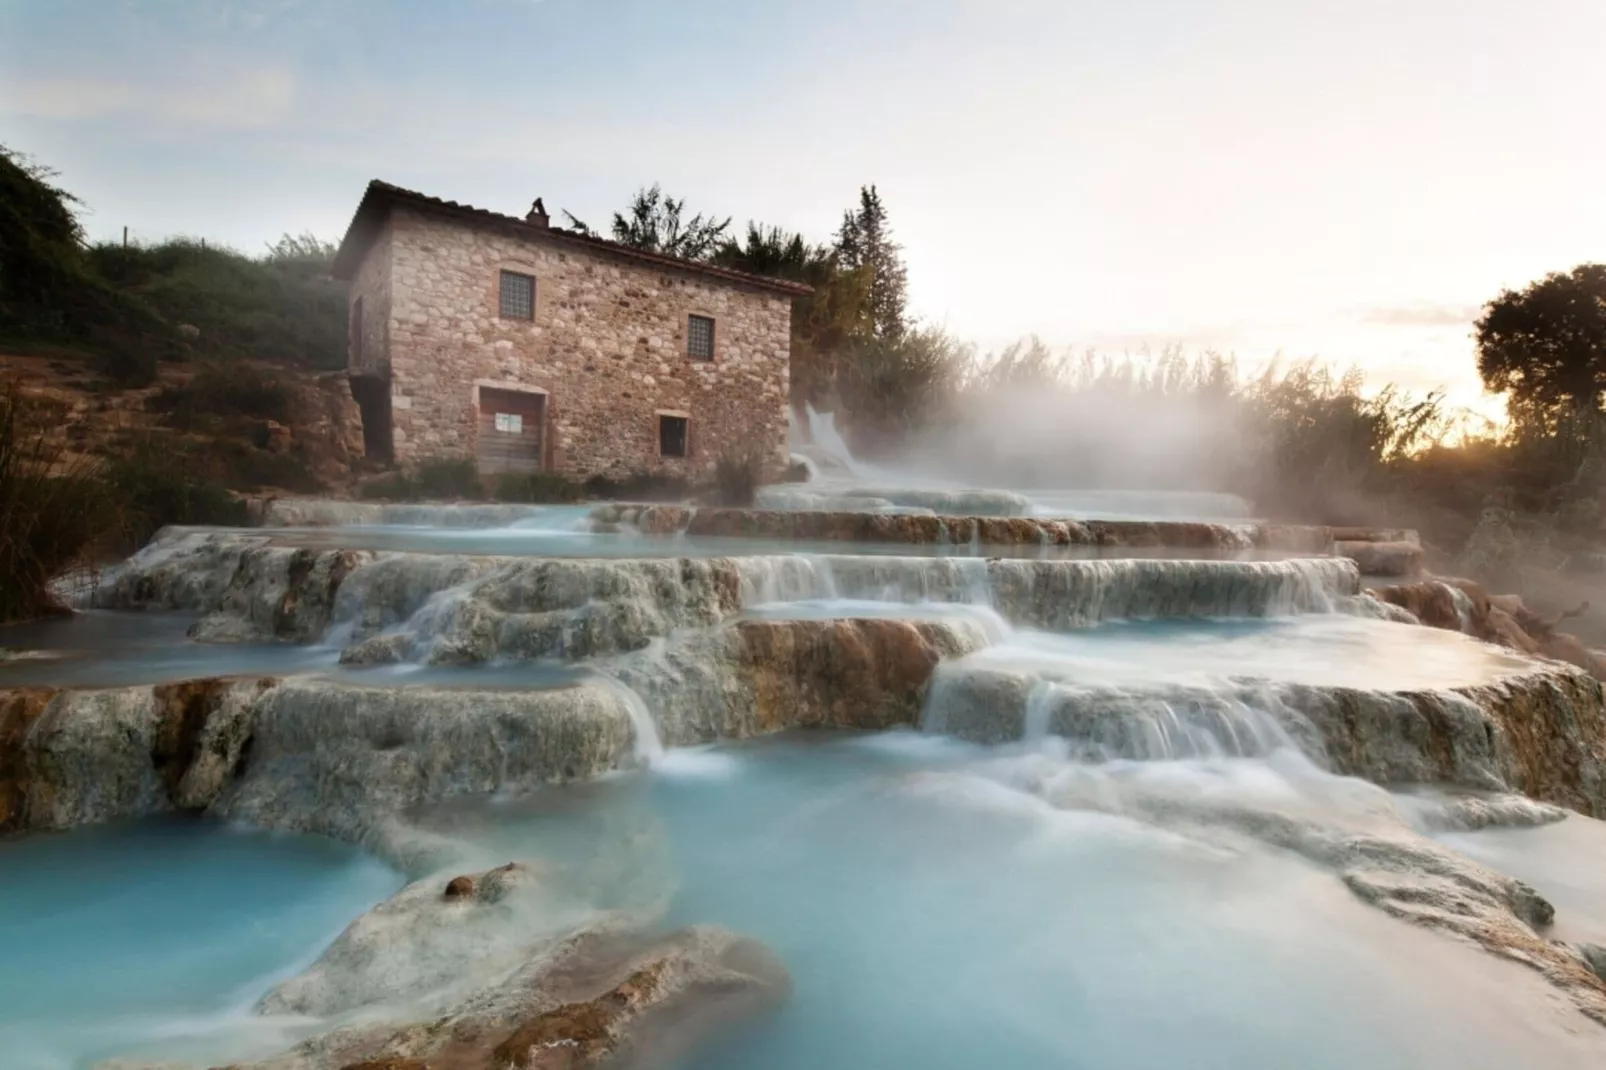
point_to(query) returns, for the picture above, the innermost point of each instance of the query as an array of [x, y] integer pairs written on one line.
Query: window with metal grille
[[672, 436], [518, 296], [700, 338], [356, 330]]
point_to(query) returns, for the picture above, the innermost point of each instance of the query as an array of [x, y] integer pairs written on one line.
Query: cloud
[[239, 98], [1421, 315]]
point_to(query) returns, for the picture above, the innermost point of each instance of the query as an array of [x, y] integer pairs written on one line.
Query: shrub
[[394, 486], [448, 477], [53, 511], [241, 466], [639, 487], [432, 478], [281, 306], [538, 488], [738, 474], [153, 491], [235, 389]]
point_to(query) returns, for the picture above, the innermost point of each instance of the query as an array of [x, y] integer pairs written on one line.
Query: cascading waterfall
[[1179, 744]]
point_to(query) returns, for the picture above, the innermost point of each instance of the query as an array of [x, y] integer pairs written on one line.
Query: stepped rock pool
[[1107, 834]]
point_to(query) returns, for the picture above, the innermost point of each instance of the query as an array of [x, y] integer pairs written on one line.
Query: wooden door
[[510, 430]]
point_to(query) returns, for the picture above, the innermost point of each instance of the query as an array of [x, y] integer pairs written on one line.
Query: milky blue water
[[159, 936], [104, 648], [934, 915]]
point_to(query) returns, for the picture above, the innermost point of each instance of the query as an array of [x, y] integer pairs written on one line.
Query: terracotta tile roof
[[377, 200]]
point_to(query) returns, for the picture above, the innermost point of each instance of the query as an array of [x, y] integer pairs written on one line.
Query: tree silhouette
[[1544, 347], [865, 243], [655, 222]]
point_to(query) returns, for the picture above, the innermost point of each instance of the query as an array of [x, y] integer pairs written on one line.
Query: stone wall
[[373, 286], [607, 346]]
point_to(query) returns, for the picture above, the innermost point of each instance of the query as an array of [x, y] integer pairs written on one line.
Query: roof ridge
[[344, 268]]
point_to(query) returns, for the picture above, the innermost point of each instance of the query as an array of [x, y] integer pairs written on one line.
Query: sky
[[1298, 178]]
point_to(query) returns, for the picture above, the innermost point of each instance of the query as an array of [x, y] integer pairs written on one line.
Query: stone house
[[533, 348]]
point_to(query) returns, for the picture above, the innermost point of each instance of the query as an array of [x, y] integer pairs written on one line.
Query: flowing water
[[1035, 902], [934, 912], [161, 935], [839, 481]]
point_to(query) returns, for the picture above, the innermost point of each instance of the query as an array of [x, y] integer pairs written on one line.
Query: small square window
[[672, 436], [518, 296], [700, 338]]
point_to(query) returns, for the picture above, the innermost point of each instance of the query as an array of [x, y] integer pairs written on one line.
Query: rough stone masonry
[[605, 347]]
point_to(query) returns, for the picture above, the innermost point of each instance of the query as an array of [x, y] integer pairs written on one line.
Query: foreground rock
[[504, 975]]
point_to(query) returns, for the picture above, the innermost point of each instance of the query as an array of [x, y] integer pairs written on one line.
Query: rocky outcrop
[[867, 674], [19, 710], [277, 592], [179, 569], [601, 992], [1465, 606], [326, 426], [756, 677], [526, 609], [424, 946], [341, 760]]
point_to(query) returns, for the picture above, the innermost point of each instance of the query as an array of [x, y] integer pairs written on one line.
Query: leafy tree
[[1545, 346], [775, 252], [864, 242], [655, 222], [825, 324], [892, 386]]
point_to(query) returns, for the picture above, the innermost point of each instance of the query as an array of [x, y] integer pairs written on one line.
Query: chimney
[[537, 215]]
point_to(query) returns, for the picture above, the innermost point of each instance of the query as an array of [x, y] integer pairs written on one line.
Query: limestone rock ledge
[[303, 754], [454, 609], [344, 760], [341, 759], [1541, 733], [849, 526]]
